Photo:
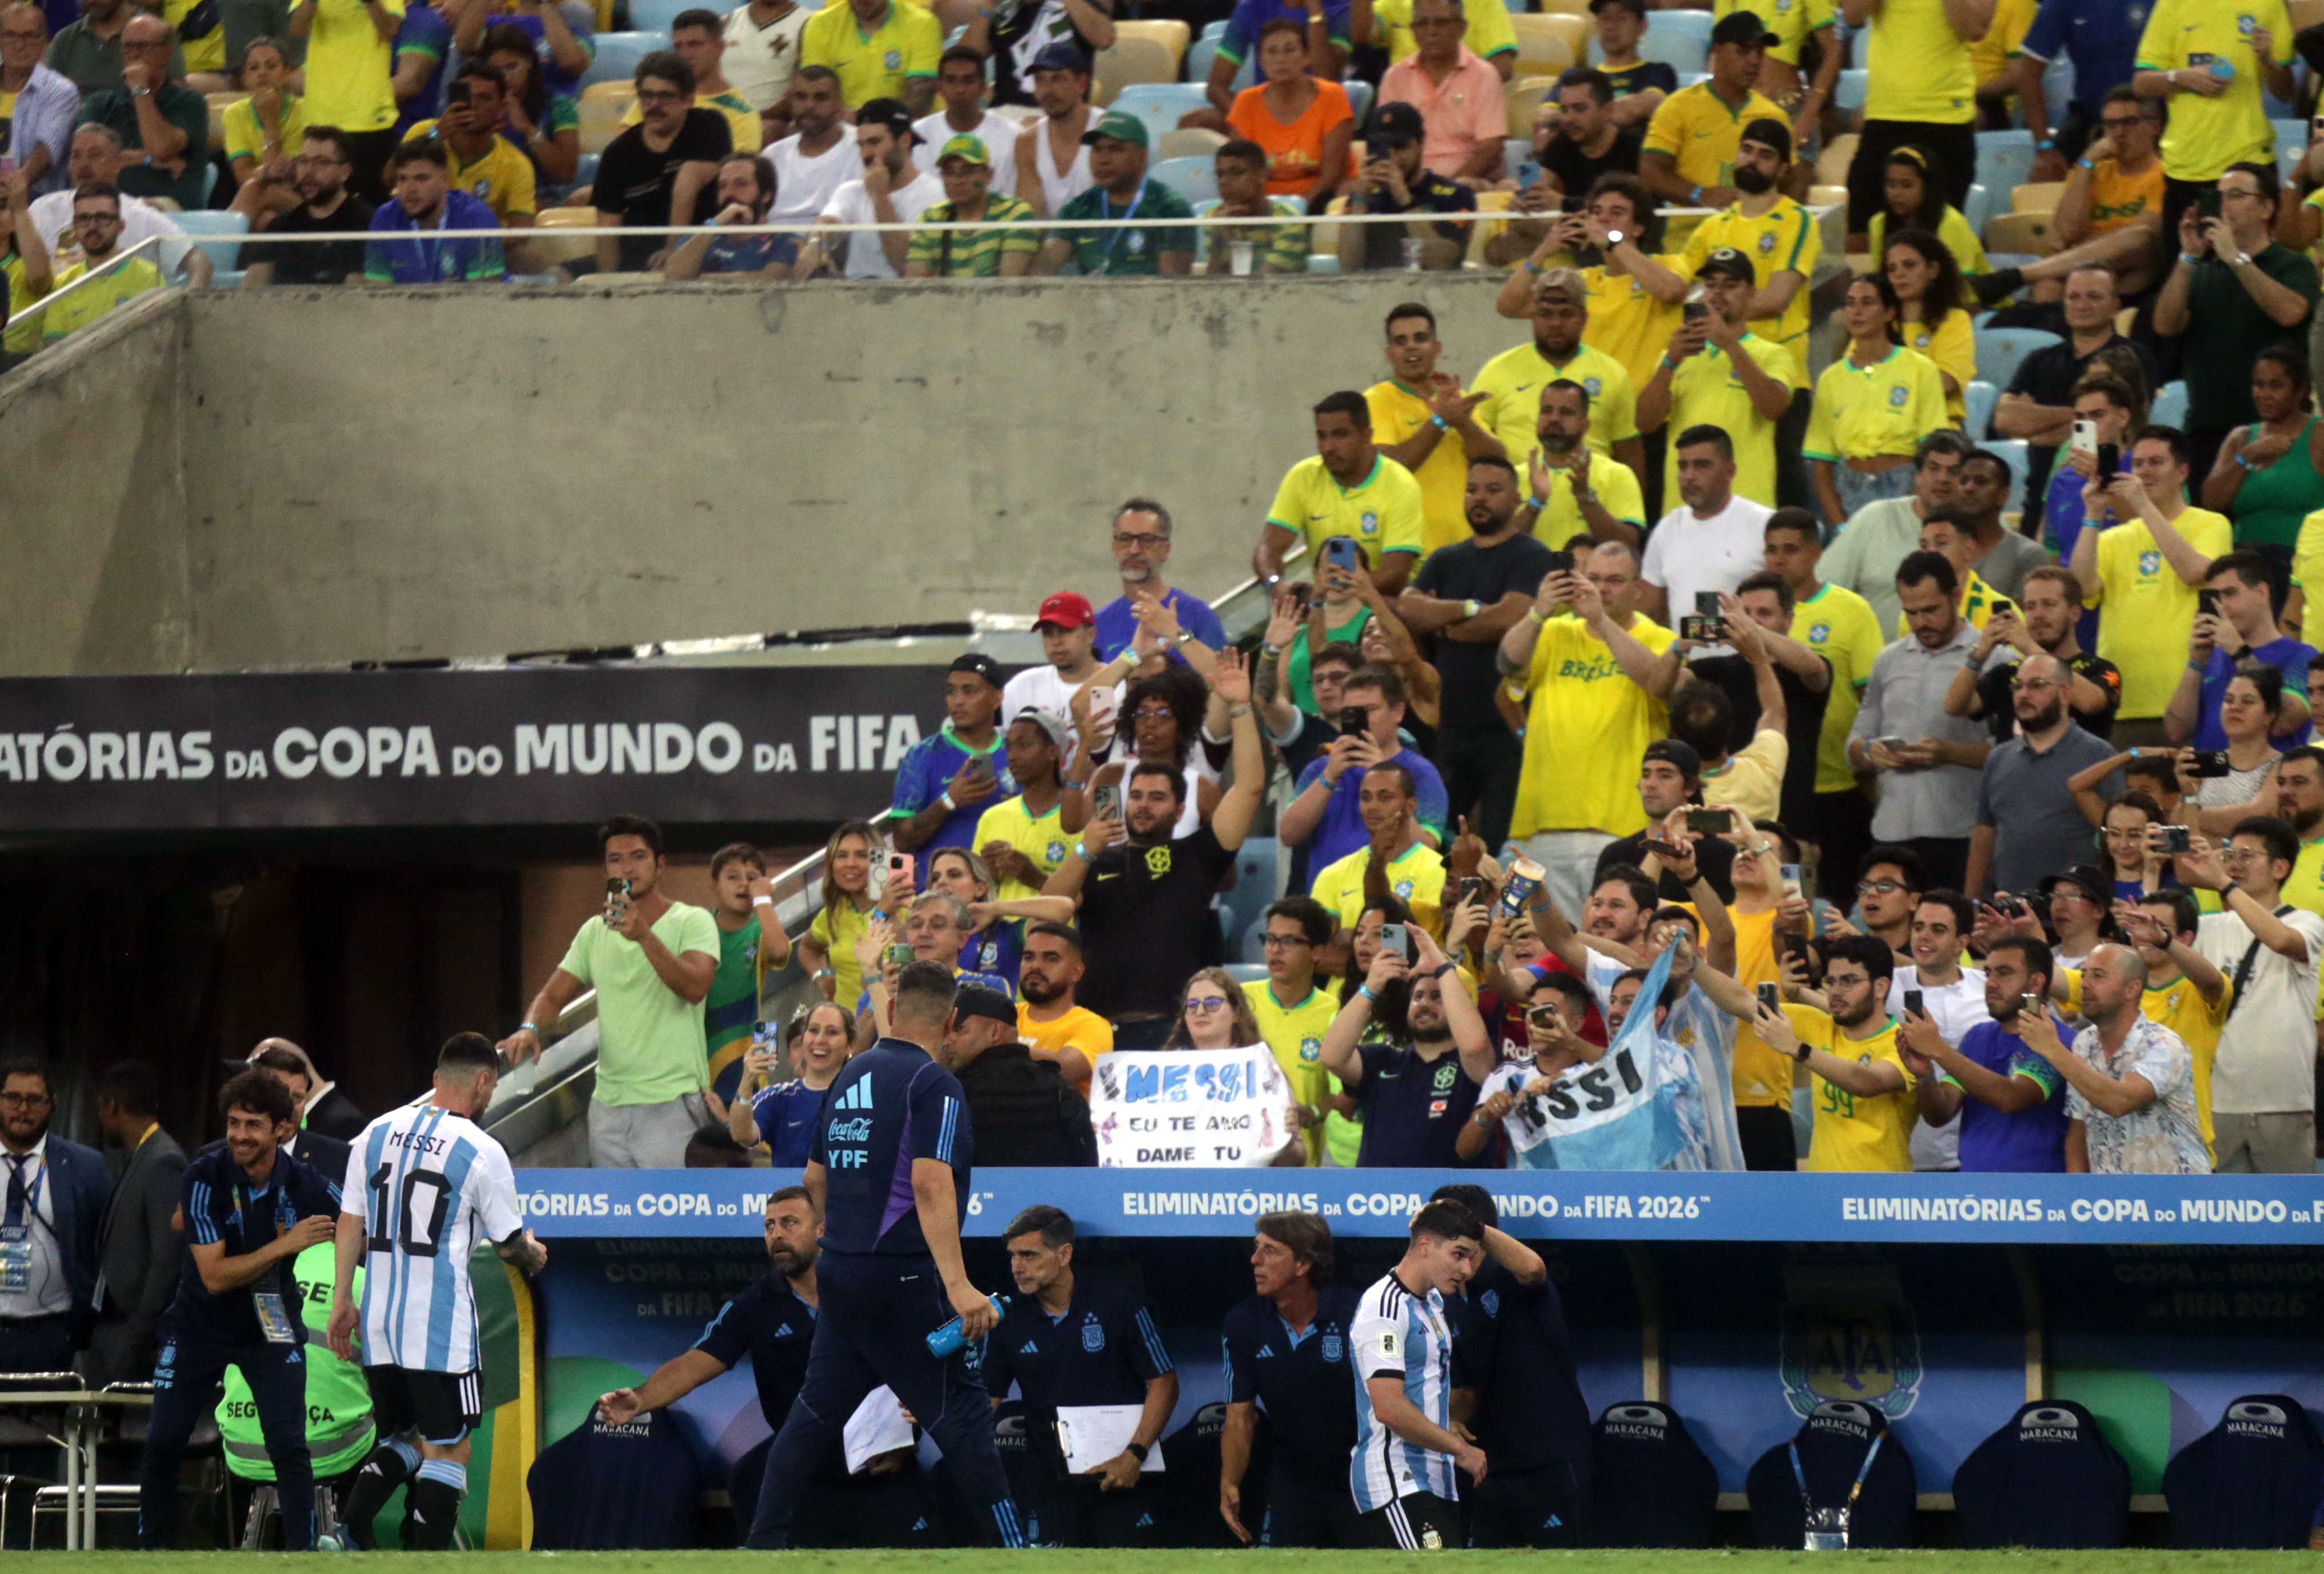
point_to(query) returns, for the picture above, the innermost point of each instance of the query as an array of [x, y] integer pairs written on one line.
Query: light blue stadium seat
[[1196, 179], [1323, 262], [1359, 98], [1214, 29], [1680, 39], [618, 54], [1160, 104], [2290, 142], [585, 173], [656, 15], [1853, 85], [1516, 152], [1978, 208], [2170, 408], [2012, 453], [202, 222], [1999, 352], [1980, 396], [1198, 62], [2005, 161], [1247, 972], [1256, 884], [2058, 89]]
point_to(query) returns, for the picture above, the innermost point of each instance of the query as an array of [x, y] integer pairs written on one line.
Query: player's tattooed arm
[[525, 1251]]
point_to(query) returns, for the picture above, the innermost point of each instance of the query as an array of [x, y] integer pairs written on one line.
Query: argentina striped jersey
[[1398, 1334], [428, 1186]]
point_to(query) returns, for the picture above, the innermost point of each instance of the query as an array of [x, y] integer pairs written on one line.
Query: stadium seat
[[2021, 232], [2037, 197], [1850, 94], [1198, 63], [1566, 8], [1160, 105], [1247, 972], [601, 122], [1999, 351], [1131, 61], [2010, 452], [585, 171], [1359, 98], [1827, 197], [1257, 882], [2047, 1478], [2249, 1482], [1980, 396], [1193, 142], [2290, 142], [618, 54], [2169, 407], [1680, 39], [1196, 180], [1479, 233], [2005, 159], [1173, 36], [656, 15], [1830, 1446], [1544, 48], [1214, 29], [1651, 1486], [1832, 165], [551, 250], [1575, 31], [204, 222], [2058, 89], [1978, 207], [1516, 152], [1524, 96]]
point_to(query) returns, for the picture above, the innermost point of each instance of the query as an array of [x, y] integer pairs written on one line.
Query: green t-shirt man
[[650, 1048]]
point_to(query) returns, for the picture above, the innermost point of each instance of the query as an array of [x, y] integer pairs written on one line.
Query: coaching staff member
[[893, 1126], [1081, 1338], [1286, 1351], [1514, 1386], [250, 1208]]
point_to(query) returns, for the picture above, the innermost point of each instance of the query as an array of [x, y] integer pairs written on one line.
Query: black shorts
[[442, 1408], [1416, 1522]]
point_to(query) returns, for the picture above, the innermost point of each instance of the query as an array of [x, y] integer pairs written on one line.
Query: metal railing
[[118, 259], [543, 1097]]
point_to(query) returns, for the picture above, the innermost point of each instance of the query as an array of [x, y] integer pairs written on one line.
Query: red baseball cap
[[1067, 610]]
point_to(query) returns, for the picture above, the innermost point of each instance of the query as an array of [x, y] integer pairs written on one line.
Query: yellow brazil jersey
[[1397, 413], [1988, 57], [1919, 66], [1039, 837], [875, 64], [1952, 230], [1707, 391], [1586, 726], [1415, 878], [1885, 407], [742, 121], [2305, 888], [502, 179], [1977, 599], [1783, 240], [1791, 21], [838, 937], [205, 53], [1618, 495], [23, 334], [2118, 199], [1853, 1131], [1629, 323], [1488, 32], [350, 69], [2179, 1006], [1380, 513], [84, 307], [2145, 610], [1762, 1076], [246, 139], [1512, 382], [1296, 1034], [2307, 548], [2206, 134], [1953, 347], [1700, 133], [1838, 625], [1078, 1028]]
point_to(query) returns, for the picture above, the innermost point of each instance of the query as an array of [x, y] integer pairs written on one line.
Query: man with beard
[[1718, 373], [890, 190], [2045, 618], [1560, 313], [2299, 795], [1144, 896], [1928, 761], [819, 156], [56, 1201], [2130, 1100], [1300, 1382], [1412, 870], [319, 176], [1468, 595], [423, 201], [1057, 1029], [2028, 825], [250, 1208], [771, 1325], [1416, 1078], [1141, 546], [1670, 777], [1023, 1113], [1572, 488], [2012, 1103], [1846, 1038]]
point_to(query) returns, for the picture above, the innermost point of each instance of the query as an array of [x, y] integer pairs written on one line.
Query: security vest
[[338, 1401]]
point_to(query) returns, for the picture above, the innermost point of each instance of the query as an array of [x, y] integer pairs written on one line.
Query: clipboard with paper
[[1088, 1435]]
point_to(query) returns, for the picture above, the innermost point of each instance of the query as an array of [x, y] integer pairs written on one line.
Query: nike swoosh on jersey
[[1111, 875]]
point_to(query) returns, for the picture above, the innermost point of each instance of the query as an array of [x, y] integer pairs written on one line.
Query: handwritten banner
[[1217, 1108]]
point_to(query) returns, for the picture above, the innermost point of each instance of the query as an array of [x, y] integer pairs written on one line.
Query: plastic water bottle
[[949, 1338]]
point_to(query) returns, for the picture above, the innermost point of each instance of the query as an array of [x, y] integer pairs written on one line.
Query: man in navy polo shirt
[[250, 1208], [1141, 546], [1286, 1353], [1416, 1081], [2012, 1103], [889, 1168], [1327, 817], [2101, 38], [1515, 1387], [952, 777], [1071, 1338]]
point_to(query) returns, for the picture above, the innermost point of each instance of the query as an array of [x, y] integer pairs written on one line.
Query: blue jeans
[[1855, 488]]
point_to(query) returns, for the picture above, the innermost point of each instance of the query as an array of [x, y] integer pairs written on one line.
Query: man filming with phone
[[1327, 815], [652, 961], [950, 777], [2235, 624]]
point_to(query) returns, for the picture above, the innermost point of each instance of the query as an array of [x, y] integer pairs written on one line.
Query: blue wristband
[[1438, 422], [1696, 197]]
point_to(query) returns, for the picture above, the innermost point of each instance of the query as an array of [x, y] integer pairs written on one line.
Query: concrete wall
[[93, 500], [423, 473]]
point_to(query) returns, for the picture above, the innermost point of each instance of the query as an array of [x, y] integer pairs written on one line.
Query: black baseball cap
[[1672, 751], [979, 1001], [2086, 876], [1061, 57], [1730, 262], [890, 113], [977, 662], [1745, 28], [1398, 120], [1638, 7], [1769, 133]]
